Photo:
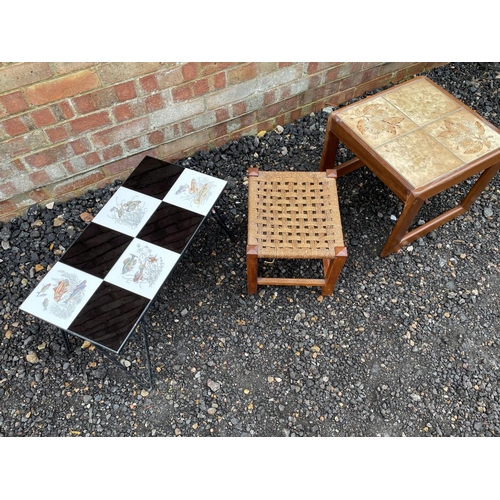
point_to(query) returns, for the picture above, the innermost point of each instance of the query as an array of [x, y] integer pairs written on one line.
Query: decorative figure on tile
[[77, 291], [182, 188], [68, 290], [198, 192], [374, 120], [44, 288], [129, 263], [469, 136], [60, 289], [149, 269], [128, 212]]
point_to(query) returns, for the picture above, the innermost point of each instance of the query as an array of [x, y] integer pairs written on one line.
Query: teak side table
[[419, 140]]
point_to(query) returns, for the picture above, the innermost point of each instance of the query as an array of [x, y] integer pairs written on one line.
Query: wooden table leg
[[330, 147], [410, 210], [399, 237]]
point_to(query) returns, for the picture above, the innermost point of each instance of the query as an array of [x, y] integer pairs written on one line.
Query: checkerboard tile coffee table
[[104, 283], [419, 140]]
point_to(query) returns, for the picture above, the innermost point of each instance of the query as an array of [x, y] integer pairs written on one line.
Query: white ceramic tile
[[61, 295], [142, 268], [195, 191], [127, 211]]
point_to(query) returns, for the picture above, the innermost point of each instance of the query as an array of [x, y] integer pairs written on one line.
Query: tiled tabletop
[[420, 131], [104, 283]]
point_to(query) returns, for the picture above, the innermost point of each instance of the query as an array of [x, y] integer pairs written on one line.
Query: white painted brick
[[204, 120], [276, 78], [176, 112], [232, 94]]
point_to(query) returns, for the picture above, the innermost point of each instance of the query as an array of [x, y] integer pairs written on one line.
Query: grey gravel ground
[[406, 346]]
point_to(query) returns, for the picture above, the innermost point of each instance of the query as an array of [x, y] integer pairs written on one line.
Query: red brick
[[82, 181], [242, 73], [296, 114], [43, 117], [66, 109], [351, 81], [14, 126], [155, 137], [187, 127], [222, 114], [92, 159], [378, 82], [48, 156], [220, 129], [183, 92], [89, 122], [154, 102], [314, 81], [132, 144], [38, 195], [189, 71], [200, 87], [218, 81], [239, 108], [14, 103], [112, 152], [39, 160], [341, 97], [123, 112], [285, 91], [95, 101], [149, 83], [7, 210], [57, 134], [247, 120], [84, 104], [121, 132], [125, 91], [269, 97], [40, 178], [80, 146], [125, 165], [65, 86]]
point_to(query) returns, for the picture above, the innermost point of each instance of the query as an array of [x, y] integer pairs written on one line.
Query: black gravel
[[407, 345]]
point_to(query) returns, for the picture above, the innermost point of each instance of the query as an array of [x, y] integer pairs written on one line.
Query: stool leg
[[252, 268], [332, 270]]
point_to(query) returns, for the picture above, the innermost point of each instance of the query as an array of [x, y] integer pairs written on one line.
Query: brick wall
[[69, 127]]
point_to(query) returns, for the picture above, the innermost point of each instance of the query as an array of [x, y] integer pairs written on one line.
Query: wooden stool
[[294, 215]]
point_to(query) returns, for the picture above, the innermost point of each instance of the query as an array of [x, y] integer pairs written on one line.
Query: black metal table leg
[[221, 223], [110, 356]]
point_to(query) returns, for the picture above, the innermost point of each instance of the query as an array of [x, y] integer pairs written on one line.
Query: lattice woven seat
[[294, 215]]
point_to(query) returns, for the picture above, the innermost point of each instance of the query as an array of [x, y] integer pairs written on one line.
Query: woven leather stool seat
[[294, 215]]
